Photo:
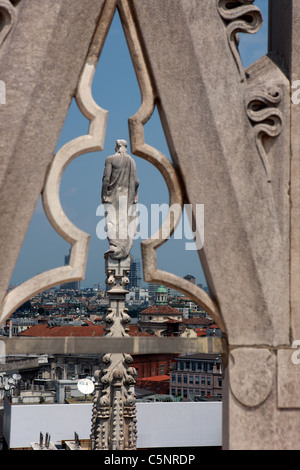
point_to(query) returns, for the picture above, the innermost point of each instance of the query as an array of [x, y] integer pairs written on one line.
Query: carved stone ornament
[[265, 117], [162, 163], [79, 240], [239, 16], [94, 141], [8, 18], [114, 409], [251, 375]]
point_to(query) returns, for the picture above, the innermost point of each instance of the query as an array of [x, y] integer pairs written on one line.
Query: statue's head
[[121, 144]]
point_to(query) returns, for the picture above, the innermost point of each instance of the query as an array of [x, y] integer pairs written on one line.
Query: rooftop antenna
[[47, 440], [77, 442], [43, 444], [12, 384]]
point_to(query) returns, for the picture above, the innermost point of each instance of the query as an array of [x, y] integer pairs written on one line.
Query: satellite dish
[[7, 387], [91, 378], [85, 386]]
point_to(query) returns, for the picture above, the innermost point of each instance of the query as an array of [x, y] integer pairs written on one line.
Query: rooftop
[[160, 424], [199, 356], [161, 310], [162, 289], [199, 321], [43, 330], [156, 378]]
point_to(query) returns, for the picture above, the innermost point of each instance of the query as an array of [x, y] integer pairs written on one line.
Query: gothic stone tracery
[[252, 219]]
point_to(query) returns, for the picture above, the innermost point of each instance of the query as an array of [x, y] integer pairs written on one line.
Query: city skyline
[[114, 88]]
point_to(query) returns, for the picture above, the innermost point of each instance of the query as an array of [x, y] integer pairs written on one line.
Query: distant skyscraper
[[135, 272], [191, 278], [152, 288], [74, 285]]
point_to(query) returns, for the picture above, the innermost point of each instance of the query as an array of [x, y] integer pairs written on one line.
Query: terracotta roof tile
[[155, 378], [43, 330], [161, 309], [197, 321]]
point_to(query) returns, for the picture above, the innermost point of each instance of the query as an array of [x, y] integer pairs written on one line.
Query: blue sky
[[114, 88]]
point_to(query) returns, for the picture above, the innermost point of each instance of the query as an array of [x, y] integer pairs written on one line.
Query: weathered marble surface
[[245, 257], [41, 62], [252, 221], [119, 195]]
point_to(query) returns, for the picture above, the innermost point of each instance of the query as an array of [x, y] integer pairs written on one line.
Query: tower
[[161, 296], [74, 285], [135, 272]]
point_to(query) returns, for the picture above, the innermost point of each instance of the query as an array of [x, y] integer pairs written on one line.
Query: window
[[191, 380], [173, 391], [185, 393], [202, 380], [173, 378], [187, 365], [162, 369], [185, 379], [208, 380], [220, 382], [179, 379], [197, 380]]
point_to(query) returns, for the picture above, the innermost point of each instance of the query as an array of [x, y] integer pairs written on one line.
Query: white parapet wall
[[188, 424]]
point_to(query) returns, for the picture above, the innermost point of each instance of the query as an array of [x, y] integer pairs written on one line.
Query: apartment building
[[197, 376]]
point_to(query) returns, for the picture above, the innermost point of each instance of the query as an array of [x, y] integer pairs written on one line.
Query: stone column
[[114, 410], [235, 159]]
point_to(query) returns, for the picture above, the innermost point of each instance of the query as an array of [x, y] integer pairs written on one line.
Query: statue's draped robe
[[119, 195]]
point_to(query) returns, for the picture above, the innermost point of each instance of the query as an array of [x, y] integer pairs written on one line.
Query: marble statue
[[119, 196]]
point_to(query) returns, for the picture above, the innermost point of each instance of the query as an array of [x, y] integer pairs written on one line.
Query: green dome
[[162, 290]]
